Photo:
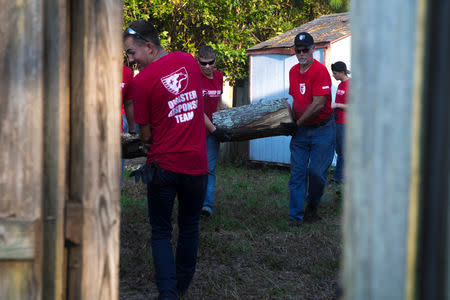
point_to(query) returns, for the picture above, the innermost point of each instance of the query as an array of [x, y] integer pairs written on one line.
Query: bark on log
[[132, 146], [256, 120]]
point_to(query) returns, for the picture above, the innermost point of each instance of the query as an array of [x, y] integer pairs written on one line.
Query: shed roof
[[324, 29]]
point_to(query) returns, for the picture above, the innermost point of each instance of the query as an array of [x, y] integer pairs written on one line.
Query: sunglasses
[[204, 63], [304, 50], [133, 32]]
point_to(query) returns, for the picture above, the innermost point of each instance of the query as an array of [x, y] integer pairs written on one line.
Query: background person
[[340, 73], [212, 85], [312, 143], [127, 109], [168, 106]]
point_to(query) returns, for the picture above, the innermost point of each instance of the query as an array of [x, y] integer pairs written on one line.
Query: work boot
[[311, 215]]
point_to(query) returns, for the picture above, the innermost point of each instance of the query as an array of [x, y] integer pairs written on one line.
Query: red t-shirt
[[212, 90], [341, 97], [127, 75], [167, 95], [316, 81]]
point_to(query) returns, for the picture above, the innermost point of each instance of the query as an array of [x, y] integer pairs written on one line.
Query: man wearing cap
[[168, 106], [340, 73], [313, 139]]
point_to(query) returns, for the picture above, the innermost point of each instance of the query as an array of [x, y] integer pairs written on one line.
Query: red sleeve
[[322, 83], [292, 82], [127, 75], [138, 93]]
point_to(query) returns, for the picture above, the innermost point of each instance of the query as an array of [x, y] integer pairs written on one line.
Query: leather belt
[[321, 122]]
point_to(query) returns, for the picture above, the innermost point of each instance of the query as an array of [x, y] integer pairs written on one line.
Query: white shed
[[270, 62]]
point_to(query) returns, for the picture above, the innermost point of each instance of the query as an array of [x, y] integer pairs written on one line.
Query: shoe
[[295, 222], [206, 211], [311, 215]]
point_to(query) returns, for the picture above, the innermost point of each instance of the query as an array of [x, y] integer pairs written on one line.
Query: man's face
[[337, 75], [138, 53], [207, 66], [304, 54]]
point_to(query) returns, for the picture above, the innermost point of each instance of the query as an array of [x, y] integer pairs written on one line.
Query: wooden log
[[132, 146], [256, 120]]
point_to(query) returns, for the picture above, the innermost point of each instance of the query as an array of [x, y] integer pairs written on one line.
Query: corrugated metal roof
[[323, 29]]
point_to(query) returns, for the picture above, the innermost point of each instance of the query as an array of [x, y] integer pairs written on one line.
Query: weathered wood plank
[[378, 150], [256, 120], [18, 238], [55, 144], [21, 132], [96, 57]]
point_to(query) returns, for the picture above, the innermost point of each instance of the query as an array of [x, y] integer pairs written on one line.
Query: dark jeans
[[173, 274]]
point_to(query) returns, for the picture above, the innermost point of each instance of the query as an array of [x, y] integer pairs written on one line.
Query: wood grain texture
[[378, 150], [21, 131], [256, 120], [56, 84], [18, 238], [96, 57]]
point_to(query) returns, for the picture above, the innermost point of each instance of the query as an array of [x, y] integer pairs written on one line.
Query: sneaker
[[206, 211], [295, 222]]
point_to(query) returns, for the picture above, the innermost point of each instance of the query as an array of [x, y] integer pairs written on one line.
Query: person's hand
[[222, 134], [291, 127], [334, 105]]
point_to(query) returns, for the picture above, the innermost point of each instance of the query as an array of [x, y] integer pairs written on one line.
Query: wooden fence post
[[93, 210], [378, 147], [21, 165]]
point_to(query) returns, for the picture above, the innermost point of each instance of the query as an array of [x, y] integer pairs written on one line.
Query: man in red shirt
[[313, 140], [168, 107], [340, 73], [127, 109], [212, 85]]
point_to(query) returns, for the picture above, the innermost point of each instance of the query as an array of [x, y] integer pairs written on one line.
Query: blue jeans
[[125, 129], [174, 274], [339, 170], [212, 149], [312, 151]]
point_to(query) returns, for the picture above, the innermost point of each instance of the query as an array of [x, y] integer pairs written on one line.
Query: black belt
[[321, 122]]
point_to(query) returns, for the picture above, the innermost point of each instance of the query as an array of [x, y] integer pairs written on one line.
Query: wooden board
[[96, 73], [256, 120], [21, 136]]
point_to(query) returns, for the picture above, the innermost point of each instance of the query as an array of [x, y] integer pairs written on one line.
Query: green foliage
[[229, 26]]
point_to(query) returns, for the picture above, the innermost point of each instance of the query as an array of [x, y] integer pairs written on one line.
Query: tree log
[[256, 120], [253, 121], [132, 146]]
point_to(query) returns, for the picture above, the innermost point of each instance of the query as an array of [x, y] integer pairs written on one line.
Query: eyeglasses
[[204, 63], [133, 32], [304, 50]]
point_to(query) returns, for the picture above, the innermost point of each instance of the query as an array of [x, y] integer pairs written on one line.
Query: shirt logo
[[325, 87], [176, 82], [340, 92], [302, 88]]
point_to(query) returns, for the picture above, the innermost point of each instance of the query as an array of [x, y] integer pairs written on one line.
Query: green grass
[[247, 250]]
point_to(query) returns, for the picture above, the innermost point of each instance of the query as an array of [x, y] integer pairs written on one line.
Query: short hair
[[146, 30], [206, 52]]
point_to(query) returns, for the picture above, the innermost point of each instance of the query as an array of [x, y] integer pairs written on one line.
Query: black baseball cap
[[340, 66], [304, 39]]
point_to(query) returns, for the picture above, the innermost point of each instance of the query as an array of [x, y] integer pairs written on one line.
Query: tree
[[229, 26]]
